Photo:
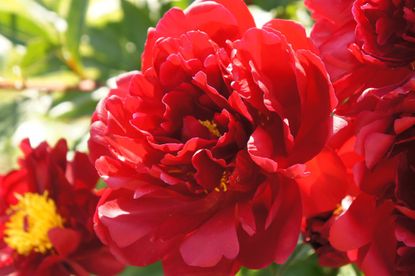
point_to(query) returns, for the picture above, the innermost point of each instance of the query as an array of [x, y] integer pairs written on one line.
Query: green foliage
[[76, 21], [151, 270]]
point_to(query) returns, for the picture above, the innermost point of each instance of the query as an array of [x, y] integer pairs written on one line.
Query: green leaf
[[40, 57], [272, 4], [116, 46], [11, 115], [135, 23], [307, 267], [32, 19], [349, 270], [9, 124], [107, 53], [268, 271], [19, 29], [76, 22], [73, 105], [181, 3], [151, 270]]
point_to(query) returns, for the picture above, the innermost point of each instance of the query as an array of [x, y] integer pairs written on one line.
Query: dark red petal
[[293, 31], [317, 102], [239, 10], [280, 94], [218, 21], [405, 230], [80, 172], [379, 258], [355, 227], [214, 240], [261, 148], [64, 240], [337, 11], [15, 182], [172, 24], [208, 169], [277, 242], [174, 265], [99, 261], [53, 265], [376, 146], [318, 192], [131, 242], [120, 217]]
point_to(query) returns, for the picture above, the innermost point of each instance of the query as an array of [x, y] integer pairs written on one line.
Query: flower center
[[29, 223], [211, 126], [224, 181]]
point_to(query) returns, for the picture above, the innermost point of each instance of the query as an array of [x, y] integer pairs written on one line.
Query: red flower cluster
[[46, 210], [368, 216], [201, 149], [222, 149]]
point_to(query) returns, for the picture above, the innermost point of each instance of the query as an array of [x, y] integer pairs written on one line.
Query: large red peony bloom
[[200, 149], [46, 210], [364, 44]]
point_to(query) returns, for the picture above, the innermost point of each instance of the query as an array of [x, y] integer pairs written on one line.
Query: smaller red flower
[[364, 44], [46, 210], [385, 31], [385, 137], [377, 230]]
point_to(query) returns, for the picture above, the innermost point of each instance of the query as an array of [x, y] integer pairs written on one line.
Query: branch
[[82, 86]]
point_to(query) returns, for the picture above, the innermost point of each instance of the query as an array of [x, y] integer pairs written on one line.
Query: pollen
[[224, 182], [211, 126], [30, 220]]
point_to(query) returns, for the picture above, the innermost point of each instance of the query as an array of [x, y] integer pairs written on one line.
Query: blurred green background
[[57, 58]]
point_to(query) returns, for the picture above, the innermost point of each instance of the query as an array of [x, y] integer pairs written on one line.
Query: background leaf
[[75, 21]]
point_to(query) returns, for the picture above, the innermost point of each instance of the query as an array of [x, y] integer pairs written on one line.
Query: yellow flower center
[[211, 126], [29, 223], [224, 181]]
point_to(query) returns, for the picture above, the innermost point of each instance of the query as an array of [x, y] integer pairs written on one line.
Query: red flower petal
[[64, 240], [276, 242], [293, 31], [212, 241], [355, 227]]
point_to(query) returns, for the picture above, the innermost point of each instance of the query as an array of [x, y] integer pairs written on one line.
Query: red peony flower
[[200, 149], [364, 44], [46, 210]]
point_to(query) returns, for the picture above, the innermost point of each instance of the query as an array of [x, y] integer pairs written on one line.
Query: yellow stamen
[[338, 211], [211, 126], [29, 223], [224, 181]]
